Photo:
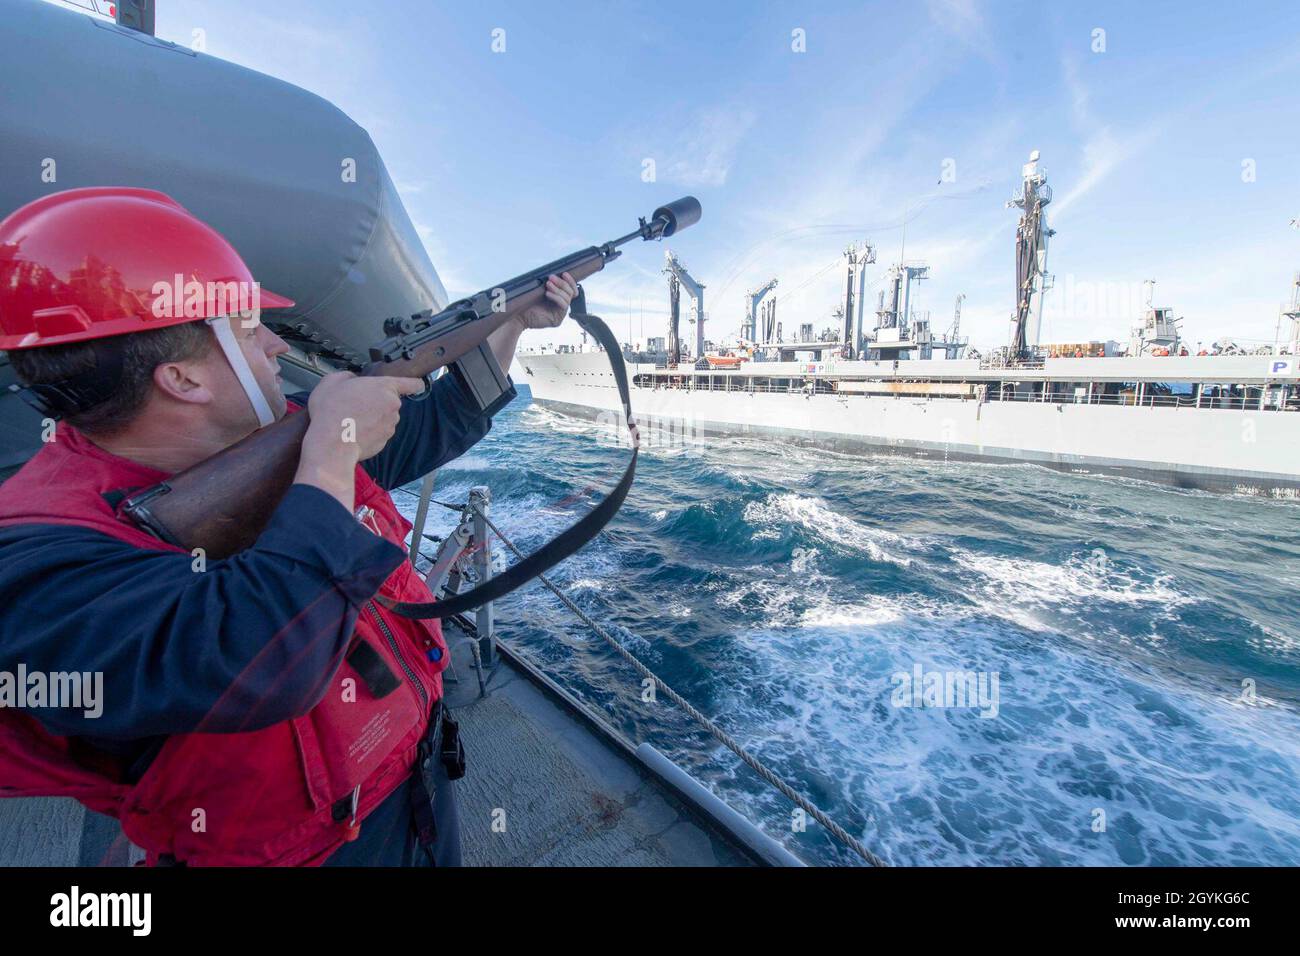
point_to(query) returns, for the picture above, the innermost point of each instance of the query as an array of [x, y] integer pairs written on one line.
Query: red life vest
[[269, 796]]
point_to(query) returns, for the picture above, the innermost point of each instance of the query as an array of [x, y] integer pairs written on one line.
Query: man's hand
[[358, 412], [352, 419], [560, 291]]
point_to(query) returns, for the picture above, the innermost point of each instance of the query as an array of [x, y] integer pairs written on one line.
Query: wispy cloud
[[1103, 150], [703, 154], [963, 20]]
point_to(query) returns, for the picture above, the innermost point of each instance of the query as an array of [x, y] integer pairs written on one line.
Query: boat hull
[[1222, 450]]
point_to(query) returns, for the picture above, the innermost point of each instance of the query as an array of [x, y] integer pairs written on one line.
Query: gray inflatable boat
[[295, 185]]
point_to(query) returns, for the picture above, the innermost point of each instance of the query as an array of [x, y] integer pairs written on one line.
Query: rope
[[718, 733]]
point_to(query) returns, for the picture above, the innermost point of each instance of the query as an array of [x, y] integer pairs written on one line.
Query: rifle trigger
[[428, 387]]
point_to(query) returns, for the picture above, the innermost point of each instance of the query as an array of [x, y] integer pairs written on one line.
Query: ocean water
[[1145, 642]]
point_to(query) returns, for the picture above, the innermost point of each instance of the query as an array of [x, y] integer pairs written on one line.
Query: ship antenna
[[1032, 280]]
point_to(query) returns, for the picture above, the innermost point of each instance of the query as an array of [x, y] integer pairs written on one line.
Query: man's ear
[[184, 382]]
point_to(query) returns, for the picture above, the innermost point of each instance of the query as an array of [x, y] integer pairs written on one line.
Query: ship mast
[[1032, 280]]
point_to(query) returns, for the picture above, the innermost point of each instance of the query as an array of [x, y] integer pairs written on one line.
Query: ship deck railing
[[1279, 397]]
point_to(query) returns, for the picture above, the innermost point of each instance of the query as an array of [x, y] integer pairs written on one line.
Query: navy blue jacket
[[170, 643]]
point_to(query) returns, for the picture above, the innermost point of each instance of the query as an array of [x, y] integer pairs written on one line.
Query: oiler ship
[[1223, 422]]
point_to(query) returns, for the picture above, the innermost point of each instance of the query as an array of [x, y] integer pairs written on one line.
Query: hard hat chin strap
[[235, 356]]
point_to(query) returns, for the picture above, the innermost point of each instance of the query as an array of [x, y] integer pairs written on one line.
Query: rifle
[[224, 502]]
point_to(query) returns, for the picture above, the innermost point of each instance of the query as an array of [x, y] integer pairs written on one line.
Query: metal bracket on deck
[[470, 544]]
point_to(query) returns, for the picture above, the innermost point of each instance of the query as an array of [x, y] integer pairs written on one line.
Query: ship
[[1223, 422]]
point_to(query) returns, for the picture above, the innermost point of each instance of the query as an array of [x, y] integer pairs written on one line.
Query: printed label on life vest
[[372, 734]]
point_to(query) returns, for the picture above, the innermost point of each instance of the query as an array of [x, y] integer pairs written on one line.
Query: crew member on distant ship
[[261, 709]]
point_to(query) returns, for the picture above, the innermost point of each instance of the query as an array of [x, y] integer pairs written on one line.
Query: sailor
[[261, 709]]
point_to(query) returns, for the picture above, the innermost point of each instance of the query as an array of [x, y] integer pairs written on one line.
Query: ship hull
[[1222, 450]]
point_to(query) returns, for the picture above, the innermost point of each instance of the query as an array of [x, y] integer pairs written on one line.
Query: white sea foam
[[815, 515], [864, 615], [1074, 734], [1080, 578], [806, 600]]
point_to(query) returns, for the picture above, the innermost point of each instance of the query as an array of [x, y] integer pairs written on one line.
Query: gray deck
[[567, 795], [570, 797]]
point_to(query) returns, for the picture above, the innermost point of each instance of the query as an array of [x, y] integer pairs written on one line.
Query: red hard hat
[[89, 263]]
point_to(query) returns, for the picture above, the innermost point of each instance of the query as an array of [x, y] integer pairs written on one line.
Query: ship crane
[[954, 334], [1293, 313], [752, 299], [900, 329], [695, 290], [771, 327], [852, 311], [865, 258], [1032, 280], [674, 320], [845, 314]]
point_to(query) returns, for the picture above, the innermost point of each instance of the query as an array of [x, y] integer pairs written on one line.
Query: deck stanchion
[[480, 500]]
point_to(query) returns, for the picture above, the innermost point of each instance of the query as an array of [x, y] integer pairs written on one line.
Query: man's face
[[260, 347]]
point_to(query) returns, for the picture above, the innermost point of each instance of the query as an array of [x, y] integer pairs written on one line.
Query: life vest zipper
[[397, 652]]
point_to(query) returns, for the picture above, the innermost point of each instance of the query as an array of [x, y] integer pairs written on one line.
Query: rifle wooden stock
[[224, 502]]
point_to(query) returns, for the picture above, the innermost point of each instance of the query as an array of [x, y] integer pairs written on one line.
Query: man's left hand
[[560, 291]]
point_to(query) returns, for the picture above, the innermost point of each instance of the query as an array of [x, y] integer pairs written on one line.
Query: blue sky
[[507, 159]]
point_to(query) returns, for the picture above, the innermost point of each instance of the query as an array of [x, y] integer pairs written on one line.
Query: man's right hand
[[352, 419]]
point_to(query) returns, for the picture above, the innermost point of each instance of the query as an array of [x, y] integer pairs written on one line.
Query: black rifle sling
[[567, 542]]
